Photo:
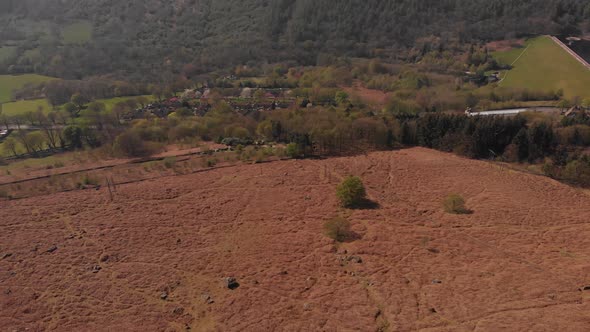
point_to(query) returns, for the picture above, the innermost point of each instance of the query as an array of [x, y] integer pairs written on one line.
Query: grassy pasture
[[544, 65], [508, 57], [9, 83], [24, 106]]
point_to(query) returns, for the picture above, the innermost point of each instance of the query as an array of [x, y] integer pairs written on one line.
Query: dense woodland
[[144, 38]]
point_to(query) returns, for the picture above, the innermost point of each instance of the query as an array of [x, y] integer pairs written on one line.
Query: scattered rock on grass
[[231, 283], [207, 298], [354, 259]]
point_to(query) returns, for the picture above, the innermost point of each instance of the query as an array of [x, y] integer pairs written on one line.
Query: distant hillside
[[144, 37]]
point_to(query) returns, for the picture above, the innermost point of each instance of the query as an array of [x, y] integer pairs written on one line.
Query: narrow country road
[[571, 52]]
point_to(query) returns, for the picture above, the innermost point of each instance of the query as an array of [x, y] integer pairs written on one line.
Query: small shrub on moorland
[[207, 151], [280, 152], [130, 144], [248, 154], [209, 162], [4, 194], [338, 229], [293, 151], [263, 155], [455, 204], [549, 169], [169, 162], [351, 192], [88, 181]]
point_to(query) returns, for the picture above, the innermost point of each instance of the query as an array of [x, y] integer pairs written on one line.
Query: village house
[[574, 111]]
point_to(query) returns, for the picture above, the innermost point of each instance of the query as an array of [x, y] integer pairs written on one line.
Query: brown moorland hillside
[[156, 258]]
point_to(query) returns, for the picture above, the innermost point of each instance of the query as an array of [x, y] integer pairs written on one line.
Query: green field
[[9, 83], [508, 57], [24, 106], [544, 65], [77, 33]]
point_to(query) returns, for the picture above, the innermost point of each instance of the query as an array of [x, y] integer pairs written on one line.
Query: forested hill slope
[[150, 35]]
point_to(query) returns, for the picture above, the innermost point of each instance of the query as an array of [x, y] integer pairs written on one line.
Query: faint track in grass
[[513, 62]]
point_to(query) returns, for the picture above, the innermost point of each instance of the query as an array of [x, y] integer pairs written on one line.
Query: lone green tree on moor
[[351, 192]]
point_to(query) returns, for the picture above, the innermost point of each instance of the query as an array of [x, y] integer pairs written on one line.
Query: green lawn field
[[544, 65], [24, 106], [508, 57], [9, 83]]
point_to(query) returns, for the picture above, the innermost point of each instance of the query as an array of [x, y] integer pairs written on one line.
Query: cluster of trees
[[80, 123], [509, 139], [484, 137], [59, 130], [570, 167], [140, 38], [52, 136]]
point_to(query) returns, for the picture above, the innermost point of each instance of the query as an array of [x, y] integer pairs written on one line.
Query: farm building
[[576, 110]]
